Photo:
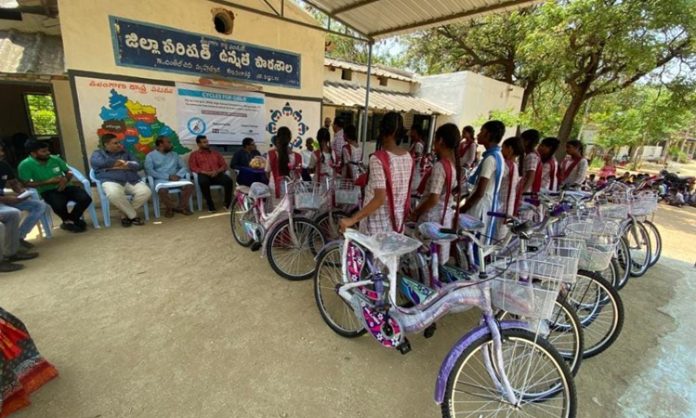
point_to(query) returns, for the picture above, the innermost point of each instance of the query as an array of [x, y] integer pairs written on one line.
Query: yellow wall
[[88, 46], [360, 79], [67, 122]]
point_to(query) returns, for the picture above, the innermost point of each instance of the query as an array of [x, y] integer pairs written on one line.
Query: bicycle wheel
[[337, 314], [655, 242], [294, 260], [600, 310], [237, 216], [612, 274], [532, 366], [623, 259], [565, 335], [325, 224], [639, 247]]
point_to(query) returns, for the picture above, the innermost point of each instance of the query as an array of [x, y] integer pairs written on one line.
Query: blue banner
[[149, 46]]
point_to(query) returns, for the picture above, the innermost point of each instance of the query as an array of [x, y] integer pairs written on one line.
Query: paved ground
[[174, 320]]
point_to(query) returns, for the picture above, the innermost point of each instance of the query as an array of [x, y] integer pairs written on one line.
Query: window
[[346, 75], [383, 81], [42, 114]]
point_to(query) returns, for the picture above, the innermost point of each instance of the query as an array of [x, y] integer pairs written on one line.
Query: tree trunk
[[526, 96], [568, 119]]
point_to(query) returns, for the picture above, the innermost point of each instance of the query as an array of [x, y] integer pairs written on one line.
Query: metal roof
[[30, 53], [376, 71], [347, 95], [384, 18]]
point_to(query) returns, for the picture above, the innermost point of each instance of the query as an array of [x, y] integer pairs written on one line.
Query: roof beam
[[356, 5], [343, 22], [456, 16]]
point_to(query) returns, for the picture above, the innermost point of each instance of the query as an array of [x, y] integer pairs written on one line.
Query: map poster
[[137, 113], [226, 117], [302, 117]]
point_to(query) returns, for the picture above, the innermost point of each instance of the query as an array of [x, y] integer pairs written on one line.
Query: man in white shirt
[[338, 142], [488, 178]]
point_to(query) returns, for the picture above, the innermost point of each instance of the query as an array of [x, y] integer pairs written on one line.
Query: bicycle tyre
[[572, 327], [655, 242], [623, 259], [237, 215], [639, 262], [311, 241], [600, 310], [612, 274], [541, 348], [327, 277], [322, 221]]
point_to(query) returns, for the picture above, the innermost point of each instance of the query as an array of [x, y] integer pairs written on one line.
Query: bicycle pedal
[[404, 347], [430, 331]]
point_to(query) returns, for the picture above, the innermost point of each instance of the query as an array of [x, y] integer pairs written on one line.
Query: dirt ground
[[173, 319]]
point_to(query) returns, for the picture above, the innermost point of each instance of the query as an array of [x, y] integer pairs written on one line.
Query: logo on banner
[[290, 118], [196, 126]]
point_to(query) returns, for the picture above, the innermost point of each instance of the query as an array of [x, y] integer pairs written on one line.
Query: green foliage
[[42, 114], [676, 154]]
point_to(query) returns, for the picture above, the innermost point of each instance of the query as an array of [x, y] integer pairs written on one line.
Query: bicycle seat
[[259, 190], [384, 244], [243, 189], [469, 223], [432, 230]]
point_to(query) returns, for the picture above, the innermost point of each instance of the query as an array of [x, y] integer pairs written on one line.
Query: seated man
[[51, 177], [35, 208], [165, 167], [118, 172], [210, 167], [9, 241], [245, 154]]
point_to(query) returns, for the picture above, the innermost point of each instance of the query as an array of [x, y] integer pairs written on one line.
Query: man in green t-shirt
[[51, 177]]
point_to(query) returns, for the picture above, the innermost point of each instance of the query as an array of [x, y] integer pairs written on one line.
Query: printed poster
[[225, 116], [135, 112]]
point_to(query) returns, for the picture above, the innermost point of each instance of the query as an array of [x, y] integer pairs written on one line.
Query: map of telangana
[[137, 125]]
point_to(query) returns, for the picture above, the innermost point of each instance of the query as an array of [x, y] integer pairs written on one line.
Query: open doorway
[[27, 110]]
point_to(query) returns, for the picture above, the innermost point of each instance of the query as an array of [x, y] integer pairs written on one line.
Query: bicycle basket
[[601, 238], [644, 204], [566, 252], [346, 193], [527, 288], [613, 211], [307, 195]]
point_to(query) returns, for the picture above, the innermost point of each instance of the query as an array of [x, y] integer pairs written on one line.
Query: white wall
[[333, 74], [470, 96], [88, 46]]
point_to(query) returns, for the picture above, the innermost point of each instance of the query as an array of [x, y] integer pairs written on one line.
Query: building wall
[[67, 124], [13, 108], [470, 96], [360, 79], [88, 46]]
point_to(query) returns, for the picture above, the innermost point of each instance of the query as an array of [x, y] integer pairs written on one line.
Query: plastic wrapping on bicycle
[[435, 232], [470, 223]]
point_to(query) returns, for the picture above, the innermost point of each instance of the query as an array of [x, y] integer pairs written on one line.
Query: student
[[387, 191], [211, 169], [574, 166], [352, 153], [513, 152], [51, 177], [467, 148], [307, 152], [417, 147], [441, 184], [488, 178], [547, 172], [323, 161], [530, 140], [118, 172], [339, 140], [282, 162]]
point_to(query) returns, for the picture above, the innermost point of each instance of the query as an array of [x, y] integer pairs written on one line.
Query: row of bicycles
[[548, 293]]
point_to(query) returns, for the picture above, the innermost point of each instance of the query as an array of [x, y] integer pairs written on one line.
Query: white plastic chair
[[199, 193], [106, 205], [171, 190]]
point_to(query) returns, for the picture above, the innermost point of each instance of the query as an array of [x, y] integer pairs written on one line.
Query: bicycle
[[289, 242], [511, 366]]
